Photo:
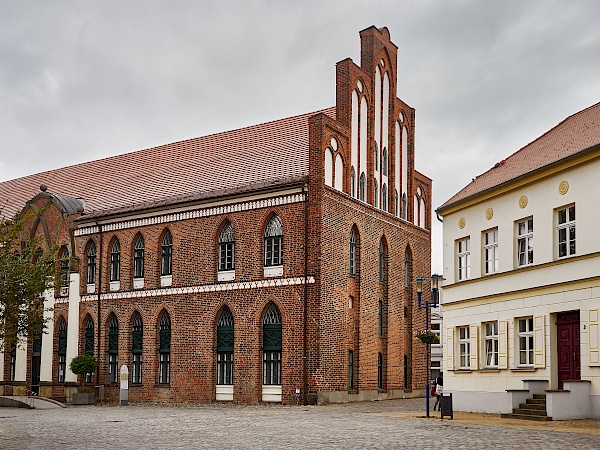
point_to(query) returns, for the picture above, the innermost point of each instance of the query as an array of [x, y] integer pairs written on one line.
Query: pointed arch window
[[396, 204], [138, 257], [64, 272], [115, 261], [113, 348], [404, 206], [376, 156], [91, 263], [376, 195], [227, 248], [164, 370], [89, 343], [352, 253], [407, 268], [382, 261], [62, 350], [384, 199], [272, 344], [225, 348], [384, 162], [137, 339], [274, 242], [362, 187], [166, 258], [353, 183]]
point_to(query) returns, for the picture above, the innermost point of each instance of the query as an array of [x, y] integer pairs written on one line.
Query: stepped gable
[[242, 160], [575, 134]]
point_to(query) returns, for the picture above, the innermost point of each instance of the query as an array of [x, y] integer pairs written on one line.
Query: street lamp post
[[435, 279]]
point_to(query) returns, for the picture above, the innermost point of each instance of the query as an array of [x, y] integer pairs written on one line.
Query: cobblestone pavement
[[372, 425]]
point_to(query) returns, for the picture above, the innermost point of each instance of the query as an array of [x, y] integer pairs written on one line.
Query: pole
[[427, 387]]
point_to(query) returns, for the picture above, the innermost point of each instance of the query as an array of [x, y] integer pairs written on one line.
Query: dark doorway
[[569, 363], [36, 364]]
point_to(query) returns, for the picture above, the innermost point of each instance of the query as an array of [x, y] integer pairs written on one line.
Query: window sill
[[490, 369], [523, 369], [463, 371], [90, 288], [273, 271], [166, 280], [138, 283], [226, 275], [162, 385], [115, 285]]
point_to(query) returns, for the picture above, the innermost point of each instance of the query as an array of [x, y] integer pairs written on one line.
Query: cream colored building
[[522, 319]]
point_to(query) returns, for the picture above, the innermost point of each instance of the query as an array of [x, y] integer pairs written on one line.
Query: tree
[[82, 364], [26, 271]]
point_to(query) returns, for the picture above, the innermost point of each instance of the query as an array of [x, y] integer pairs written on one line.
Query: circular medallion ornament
[[461, 223], [523, 202], [489, 213], [563, 187]]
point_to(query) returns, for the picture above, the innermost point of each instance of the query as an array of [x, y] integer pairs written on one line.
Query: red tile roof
[[575, 134], [242, 160]]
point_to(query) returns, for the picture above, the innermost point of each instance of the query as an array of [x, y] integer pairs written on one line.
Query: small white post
[[124, 391]]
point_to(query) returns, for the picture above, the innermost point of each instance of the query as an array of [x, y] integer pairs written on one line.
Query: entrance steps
[[533, 409]]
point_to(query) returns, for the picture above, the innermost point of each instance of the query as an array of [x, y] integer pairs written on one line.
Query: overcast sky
[[82, 80]]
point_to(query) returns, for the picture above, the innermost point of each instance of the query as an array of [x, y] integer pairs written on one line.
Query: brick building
[[244, 265]]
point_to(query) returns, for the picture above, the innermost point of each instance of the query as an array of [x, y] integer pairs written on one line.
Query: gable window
[[525, 336], [376, 194], [352, 253], [62, 350], [89, 343], [382, 258], [138, 257], [91, 263], [272, 346], [490, 242], [525, 242], [137, 339], [566, 231], [464, 258], [353, 183], [164, 370], [362, 186], [274, 243], [396, 203], [64, 272], [227, 248], [464, 348], [115, 261], [384, 200], [404, 206], [166, 257], [407, 268], [384, 162], [113, 348], [491, 344], [225, 342], [376, 156], [350, 369]]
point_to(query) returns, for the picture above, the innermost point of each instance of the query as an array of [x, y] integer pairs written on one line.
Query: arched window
[[376, 156], [384, 199], [328, 167], [384, 162], [62, 350], [404, 206], [227, 248], [91, 263], [272, 346], [382, 260], [164, 349], [339, 173], [274, 242], [113, 348], [166, 255], [138, 257], [363, 187], [396, 204], [89, 343], [64, 271], [225, 348], [137, 338], [407, 268], [352, 253], [115, 261], [353, 183], [376, 195]]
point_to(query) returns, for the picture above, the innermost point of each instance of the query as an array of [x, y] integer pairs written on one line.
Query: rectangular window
[[464, 258], [525, 242], [491, 345], [464, 348], [164, 370], [435, 327], [525, 336], [226, 256], [136, 369], [115, 266], [566, 231], [113, 368], [379, 371], [62, 367], [350, 369], [225, 368], [138, 263], [272, 368], [490, 251], [273, 251]]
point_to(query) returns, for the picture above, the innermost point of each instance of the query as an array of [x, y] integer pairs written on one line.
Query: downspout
[[304, 356], [99, 295]]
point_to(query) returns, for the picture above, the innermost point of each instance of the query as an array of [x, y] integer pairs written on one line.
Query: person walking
[[439, 388]]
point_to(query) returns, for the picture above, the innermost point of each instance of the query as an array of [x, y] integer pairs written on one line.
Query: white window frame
[[491, 345], [565, 225], [463, 258], [525, 242], [464, 347], [436, 328], [525, 342], [490, 251]]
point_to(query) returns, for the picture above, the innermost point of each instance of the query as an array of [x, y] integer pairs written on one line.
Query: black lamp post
[[435, 280]]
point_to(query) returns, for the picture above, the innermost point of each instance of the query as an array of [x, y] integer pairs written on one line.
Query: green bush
[[82, 364]]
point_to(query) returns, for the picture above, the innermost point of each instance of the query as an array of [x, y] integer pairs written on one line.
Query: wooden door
[[569, 363]]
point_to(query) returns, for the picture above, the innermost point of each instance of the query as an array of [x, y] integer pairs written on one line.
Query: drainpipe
[[304, 356], [99, 293]]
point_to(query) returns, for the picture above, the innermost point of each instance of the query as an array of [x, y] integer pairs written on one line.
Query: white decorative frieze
[[195, 214], [275, 282]]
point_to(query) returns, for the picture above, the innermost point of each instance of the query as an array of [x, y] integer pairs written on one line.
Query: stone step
[[539, 396], [530, 412], [536, 401], [526, 417], [538, 406]]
